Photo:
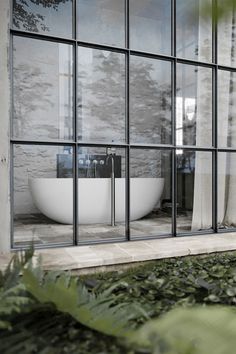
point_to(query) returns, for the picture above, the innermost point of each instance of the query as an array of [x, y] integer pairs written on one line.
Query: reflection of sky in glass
[[102, 21], [150, 25], [56, 22]]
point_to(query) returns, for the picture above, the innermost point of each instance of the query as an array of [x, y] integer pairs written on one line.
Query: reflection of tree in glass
[[102, 96], [150, 105], [24, 16], [30, 94]]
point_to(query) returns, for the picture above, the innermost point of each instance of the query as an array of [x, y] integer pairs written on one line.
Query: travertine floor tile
[[83, 257]]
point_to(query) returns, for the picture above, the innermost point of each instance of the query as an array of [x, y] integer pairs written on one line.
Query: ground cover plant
[[172, 306]]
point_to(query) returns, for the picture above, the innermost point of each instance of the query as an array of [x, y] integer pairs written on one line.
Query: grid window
[[126, 108]]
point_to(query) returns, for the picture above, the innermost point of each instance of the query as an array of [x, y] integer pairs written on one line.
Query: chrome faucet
[[95, 168], [111, 152]]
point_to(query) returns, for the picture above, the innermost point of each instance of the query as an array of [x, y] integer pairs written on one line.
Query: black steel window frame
[[129, 145]]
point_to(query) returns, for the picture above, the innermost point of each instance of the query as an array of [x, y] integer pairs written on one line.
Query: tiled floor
[[44, 231], [99, 257]]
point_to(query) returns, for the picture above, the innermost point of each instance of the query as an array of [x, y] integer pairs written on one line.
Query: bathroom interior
[[112, 175]]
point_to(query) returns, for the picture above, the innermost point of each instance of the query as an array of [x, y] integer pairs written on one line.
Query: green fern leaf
[[96, 312]]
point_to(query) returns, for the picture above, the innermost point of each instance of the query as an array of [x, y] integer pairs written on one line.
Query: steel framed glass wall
[[122, 122]]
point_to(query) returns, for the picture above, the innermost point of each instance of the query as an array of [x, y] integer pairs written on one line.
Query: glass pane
[[226, 35], [102, 21], [194, 191], [194, 105], [48, 17], [226, 108], [42, 90], [150, 101], [226, 190], [101, 95], [43, 195], [193, 31], [150, 192], [101, 193], [150, 25]]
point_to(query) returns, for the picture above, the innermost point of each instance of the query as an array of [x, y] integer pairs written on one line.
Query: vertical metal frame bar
[[76, 177], [214, 35], [215, 155], [174, 192], [127, 161], [215, 191], [11, 84], [173, 28], [127, 125], [173, 99], [127, 24], [12, 241], [127, 193], [215, 152], [74, 19], [75, 197], [174, 156]]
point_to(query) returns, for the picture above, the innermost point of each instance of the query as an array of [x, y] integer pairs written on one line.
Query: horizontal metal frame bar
[[194, 233], [139, 53], [131, 146], [204, 233], [226, 68], [66, 143], [45, 142], [41, 36], [164, 57], [121, 239], [43, 246], [67, 244], [150, 237], [224, 231], [195, 63]]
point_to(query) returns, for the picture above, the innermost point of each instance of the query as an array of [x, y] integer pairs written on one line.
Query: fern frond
[[10, 276], [98, 312], [13, 297]]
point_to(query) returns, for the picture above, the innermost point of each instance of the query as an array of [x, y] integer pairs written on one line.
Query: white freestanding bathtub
[[54, 198]]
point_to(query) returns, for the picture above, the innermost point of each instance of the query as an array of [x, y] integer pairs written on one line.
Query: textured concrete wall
[[4, 126]]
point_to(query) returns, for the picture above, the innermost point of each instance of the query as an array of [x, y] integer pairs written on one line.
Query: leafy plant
[[12, 293], [98, 312], [200, 330]]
